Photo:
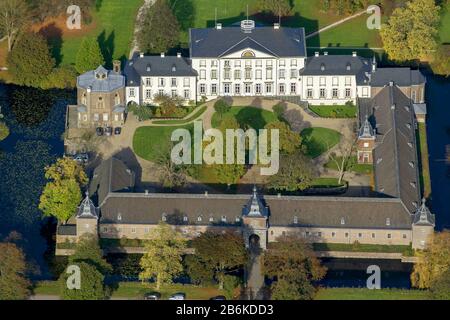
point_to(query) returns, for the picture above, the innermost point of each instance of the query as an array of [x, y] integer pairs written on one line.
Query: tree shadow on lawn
[[53, 35], [107, 47]]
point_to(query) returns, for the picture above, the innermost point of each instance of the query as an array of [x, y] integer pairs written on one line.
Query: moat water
[[27, 150]]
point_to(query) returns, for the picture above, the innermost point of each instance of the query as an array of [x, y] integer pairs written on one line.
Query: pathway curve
[[147, 4], [335, 24]]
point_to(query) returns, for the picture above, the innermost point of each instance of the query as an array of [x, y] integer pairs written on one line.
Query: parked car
[[178, 296], [99, 131], [152, 296], [218, 298], [117, 130], [81, 158], [108, 131]]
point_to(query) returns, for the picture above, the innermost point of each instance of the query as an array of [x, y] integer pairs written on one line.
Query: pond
[[23, 157]]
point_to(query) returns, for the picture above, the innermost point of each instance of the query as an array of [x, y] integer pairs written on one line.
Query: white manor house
[[262, 61]]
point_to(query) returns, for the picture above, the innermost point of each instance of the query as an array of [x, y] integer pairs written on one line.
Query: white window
[[227, 63], [237, 74], [164, 217], [258, 88], [174, 82], [202, 88], [199, 218], [148, 94], [322, 81], [348, 81], [348, 93], [161, 92], [248, 74], [365, 92], [174, 93], [335, 93], [237, 89], [226, 74], [268, 88], [335, 81], [148, 82], [238, 219], [161, 82], [293, 62], [185, 219], [132, 93], [309, 81], [226, 88], [269, 74], [309, 93], [187, 94], [105, 229], [202, 74], [214, 89], [293, 88], [214, 63], [146, 230], [248, 63], [258, 74], [366, 144], [282, 74], [211, 219], [224, 219], [342, 221], [202, 63], [322, 93], [214, 74], [282, 88], [295, 220], [248, 88], [269, 63], [116, 117], [96, 117], [237, 63], [282, 63], [105, 117], [388, 221], [293, 73], [133, 230], [186, 82], [259, 63]]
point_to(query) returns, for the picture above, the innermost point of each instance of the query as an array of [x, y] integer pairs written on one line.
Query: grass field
[[112, 25], [358, 247], [147, 141], [335, 111], [319, 140], [425, 180], [246, 116], [366, 294], [197, 113], [352, 165], [444, 32], [326, 183]]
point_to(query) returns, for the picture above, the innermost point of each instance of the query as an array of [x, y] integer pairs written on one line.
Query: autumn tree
[[163, 255], [289, 140], [432, 262], [88, 257], [4, 130], [14, 16], [441, 61], [276, 7], [30, 63], [171, 175], [411, 32], [62, 194], [168, 105], [296, 173], [341, 157], [440, 287], [218, 254], [293, 266], [158, 29], [14, 284], [89, 56]]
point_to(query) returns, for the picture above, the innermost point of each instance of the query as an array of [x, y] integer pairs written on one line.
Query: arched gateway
[[254, 217]]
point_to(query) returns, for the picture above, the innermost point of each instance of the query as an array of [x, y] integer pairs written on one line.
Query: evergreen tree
[[13, 283], [89, 56]]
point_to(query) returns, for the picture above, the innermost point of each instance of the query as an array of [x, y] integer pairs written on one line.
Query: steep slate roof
[[337, 65], [213, 43], [156, 66], [403, 77], [395, 156], [112, 81], [142, 208]]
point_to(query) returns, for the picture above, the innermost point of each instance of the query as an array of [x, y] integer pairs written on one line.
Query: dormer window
[[211, 219], [408, 125], [411, 164], [295, 219], [322, 67], [119, 217], [185, 219], [388, 221], [413, 184], [342, 221], [349, 66], [164, 217], [238, 219], [410, 144], [149, 68], [415, 204], [174, 68], [199, 218], [224, 219], [379, 160]]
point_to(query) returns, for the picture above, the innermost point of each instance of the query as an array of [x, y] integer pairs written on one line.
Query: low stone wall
[[365, 255]]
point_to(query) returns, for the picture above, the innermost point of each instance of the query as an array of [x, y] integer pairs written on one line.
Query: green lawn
[[246, 116], [366, 294], [114, 25], [425, 180], [147, 141], [358, 247], [47, 288], [319, 140], [445, 25], [327, 111], [197, 113], [352, 165]]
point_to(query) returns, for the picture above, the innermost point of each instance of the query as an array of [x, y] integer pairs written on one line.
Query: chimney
[[89, 89], [162, 55], [141, 55], [316, 53], [276, 26], [325, 53], [178, 54], [354, 54], [146, 192], [117, 66], [219, 26]]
